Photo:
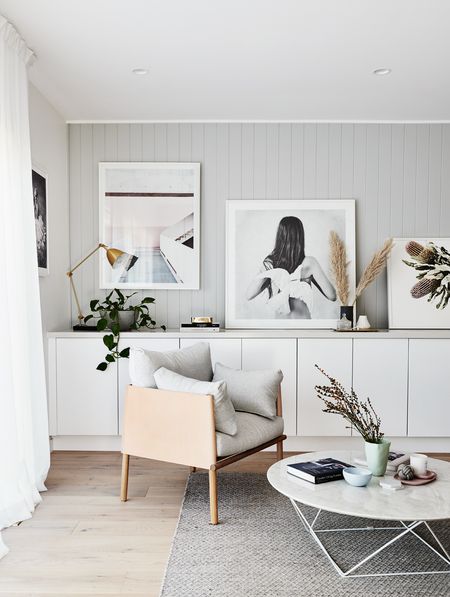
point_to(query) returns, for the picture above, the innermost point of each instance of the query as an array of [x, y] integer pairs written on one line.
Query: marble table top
[[425, 502]]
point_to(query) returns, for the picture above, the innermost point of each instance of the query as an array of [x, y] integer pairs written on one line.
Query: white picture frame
[[39, 180], [151, 210], [252, 227], [404, 311]]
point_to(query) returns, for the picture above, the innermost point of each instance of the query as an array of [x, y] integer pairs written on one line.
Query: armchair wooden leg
[[213, 497], [124, 483], [280, 450]]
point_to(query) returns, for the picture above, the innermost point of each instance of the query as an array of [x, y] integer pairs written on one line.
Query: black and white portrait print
[[278, 269], [39, 182]]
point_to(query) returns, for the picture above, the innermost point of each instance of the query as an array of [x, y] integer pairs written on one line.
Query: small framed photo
[[418, 274], [278, 262], [40, 203], [150, 213]]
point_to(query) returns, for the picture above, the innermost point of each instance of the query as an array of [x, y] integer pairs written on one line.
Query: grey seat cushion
[[193, 361], [252, 431], [251, 391], [224, 413]]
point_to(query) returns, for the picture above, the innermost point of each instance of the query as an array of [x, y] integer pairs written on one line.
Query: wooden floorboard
[[83, 541]]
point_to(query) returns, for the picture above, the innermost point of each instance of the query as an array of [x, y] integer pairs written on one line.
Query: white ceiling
[[239, 59]]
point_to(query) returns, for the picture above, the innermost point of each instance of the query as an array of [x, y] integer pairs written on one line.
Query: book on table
[[394, 460], [318, 471]]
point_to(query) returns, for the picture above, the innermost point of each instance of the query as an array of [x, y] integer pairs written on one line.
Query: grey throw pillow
[[251, 391], [193, 361], [224, 413]]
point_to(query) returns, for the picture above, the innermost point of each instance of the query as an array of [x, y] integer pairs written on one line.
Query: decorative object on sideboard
[[114, 313], [153, 209], [117, 259], [419, 283], [361, 416], [374, 269], [278, 263], [363, 323], [344, 324], [40, 202], [339, 271], [200, 323]]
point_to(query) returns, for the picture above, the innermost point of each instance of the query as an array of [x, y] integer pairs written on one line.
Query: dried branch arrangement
[[433, 266], [375, 267], [339, 263], [360, 415]]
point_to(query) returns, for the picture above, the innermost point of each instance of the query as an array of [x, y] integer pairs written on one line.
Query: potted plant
[[116, 314], [361, 416]]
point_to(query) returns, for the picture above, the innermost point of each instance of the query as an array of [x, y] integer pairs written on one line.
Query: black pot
[[348, 312]]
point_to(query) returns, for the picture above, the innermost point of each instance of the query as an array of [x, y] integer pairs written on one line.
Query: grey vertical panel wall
[[398, 174]]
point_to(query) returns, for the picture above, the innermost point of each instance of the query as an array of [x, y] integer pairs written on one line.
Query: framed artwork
[[40, 203], [418, 272], [150, 211], [278, 262]]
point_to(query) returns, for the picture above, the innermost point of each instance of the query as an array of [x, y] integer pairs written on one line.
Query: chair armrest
[[170, 426], [279, 403]]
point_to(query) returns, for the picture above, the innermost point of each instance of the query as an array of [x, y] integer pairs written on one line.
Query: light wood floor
[[83, 541]]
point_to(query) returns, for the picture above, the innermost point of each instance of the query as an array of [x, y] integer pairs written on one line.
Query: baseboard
[[107, 443]]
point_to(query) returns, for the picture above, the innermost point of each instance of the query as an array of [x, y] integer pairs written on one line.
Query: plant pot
[[377, 457], [348, 312], [126, 320]]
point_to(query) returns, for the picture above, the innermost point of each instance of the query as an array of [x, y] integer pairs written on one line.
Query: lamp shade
[[119, 259]]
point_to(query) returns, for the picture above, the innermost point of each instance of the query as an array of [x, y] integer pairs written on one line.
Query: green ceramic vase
[[377, 457]]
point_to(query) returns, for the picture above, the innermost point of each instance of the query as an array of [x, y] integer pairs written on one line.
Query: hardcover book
[[318, 471], [394, 460]]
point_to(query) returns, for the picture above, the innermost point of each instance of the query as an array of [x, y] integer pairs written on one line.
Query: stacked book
[[200, 324], [394, 460], [318, 471]]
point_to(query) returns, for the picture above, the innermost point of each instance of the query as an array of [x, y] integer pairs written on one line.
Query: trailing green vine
[[108, 314]]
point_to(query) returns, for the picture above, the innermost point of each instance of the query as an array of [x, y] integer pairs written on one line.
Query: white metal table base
[[405, 529]]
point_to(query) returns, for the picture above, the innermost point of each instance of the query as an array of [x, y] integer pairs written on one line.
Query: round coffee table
[[409, 507]]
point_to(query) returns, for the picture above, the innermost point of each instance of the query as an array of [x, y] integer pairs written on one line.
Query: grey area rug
[[261, 549]]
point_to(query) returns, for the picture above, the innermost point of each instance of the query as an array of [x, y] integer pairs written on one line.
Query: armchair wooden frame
[[178, 427]]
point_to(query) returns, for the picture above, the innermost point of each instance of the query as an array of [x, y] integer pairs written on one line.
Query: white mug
[[363, 323], [418, 463]]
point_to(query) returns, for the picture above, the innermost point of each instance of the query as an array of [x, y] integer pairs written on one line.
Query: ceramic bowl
[[358, 477]]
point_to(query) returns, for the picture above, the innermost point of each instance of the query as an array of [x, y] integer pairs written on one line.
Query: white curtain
[[24, 444]]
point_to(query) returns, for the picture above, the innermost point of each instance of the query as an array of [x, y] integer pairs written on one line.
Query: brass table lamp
[[116, 258]]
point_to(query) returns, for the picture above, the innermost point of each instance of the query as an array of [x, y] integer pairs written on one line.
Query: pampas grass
[[374, 268], [339, 263]]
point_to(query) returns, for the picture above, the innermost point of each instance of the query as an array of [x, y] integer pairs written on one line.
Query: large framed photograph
[[40, 202], [150, 213], [278, 262], [418, 272]]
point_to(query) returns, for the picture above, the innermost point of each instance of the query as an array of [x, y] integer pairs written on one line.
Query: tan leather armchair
[[179, 427]]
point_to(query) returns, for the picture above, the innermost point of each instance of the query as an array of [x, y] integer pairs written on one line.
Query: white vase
[[363, 323]]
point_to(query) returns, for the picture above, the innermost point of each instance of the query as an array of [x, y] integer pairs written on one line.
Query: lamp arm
[[70, 276], [99, 246]]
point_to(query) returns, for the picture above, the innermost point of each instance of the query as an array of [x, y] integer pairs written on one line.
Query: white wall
[[399, 175], [49, 152]]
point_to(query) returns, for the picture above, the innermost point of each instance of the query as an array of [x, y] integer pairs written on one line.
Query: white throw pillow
[[193, 361], [224, 413], [251, 391]]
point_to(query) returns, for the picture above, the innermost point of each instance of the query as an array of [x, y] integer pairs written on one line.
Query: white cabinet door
[[223, 350], [334, 357], [281, 354], [380, 372], [158, 344], [86, 398], [429, 388]]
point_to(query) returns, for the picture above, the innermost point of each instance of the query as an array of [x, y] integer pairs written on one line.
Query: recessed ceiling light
[[139, 71], [382, 71]]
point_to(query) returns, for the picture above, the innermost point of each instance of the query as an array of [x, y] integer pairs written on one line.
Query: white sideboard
[[406, 373]]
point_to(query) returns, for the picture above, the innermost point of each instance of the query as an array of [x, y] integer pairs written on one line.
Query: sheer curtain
[[24, 444]]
